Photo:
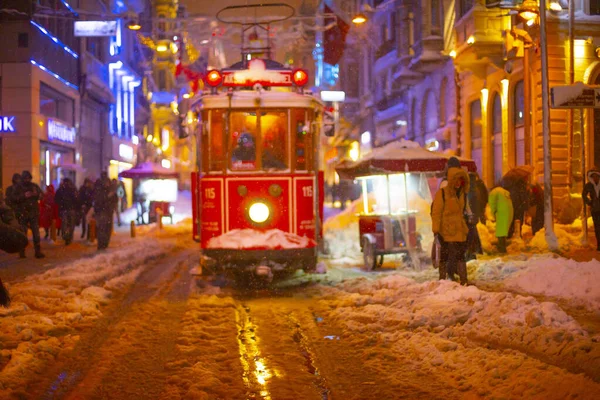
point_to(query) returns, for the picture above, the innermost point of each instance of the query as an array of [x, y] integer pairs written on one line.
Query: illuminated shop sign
[[95, 28], [7, 124], [126, 152], [60, 132]]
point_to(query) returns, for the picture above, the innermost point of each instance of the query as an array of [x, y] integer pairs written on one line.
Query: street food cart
[[397, 182], [157, 187]]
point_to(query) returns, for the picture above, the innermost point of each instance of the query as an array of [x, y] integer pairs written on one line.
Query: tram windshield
[[258, 140]]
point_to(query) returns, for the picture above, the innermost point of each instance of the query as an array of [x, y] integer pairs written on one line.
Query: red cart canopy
[[149, 170], [399, 157]]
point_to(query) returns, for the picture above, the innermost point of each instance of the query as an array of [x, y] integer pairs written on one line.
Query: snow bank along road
[[135, 325]]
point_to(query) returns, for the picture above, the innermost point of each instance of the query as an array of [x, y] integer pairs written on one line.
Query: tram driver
[[244, 153]]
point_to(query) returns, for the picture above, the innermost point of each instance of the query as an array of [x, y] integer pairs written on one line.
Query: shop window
[[54, 104], [596, 131], [519, 121], [476, 133], [497, 126], [216, 149]]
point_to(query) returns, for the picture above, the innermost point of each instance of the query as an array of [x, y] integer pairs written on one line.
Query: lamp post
[[548, 206]]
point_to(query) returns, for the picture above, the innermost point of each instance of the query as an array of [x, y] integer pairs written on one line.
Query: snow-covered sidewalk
[[48, 307]]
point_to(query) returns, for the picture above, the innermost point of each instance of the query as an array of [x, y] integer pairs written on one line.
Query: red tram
[[258, 196]]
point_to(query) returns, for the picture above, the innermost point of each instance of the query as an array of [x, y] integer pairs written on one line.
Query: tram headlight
[[259, 212]]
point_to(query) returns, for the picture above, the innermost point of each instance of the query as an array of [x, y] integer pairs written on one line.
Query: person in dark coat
[[591, 198], [86, 201], [24, 199], [105, 199], [66, 199], [519, 194], [12, 239], [477, 198], [537, 201]]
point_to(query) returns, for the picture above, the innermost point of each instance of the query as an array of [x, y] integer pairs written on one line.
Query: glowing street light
[[359, 19], [134, 26]]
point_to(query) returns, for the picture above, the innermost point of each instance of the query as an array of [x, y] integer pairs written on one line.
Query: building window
[[464, 6], [519, 120], [54, 104], [497, 126], [593, 7], [430, 114], [436, 17], [413, 119], [475, 128], [443, 100]]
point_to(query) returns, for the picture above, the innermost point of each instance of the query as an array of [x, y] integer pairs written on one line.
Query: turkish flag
[[334, 39]]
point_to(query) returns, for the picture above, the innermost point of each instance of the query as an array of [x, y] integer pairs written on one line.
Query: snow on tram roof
[[268, 99]]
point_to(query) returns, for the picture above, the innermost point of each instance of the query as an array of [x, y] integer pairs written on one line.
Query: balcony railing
[[96, 68], [45, 52], [388, 101], [387, 47]]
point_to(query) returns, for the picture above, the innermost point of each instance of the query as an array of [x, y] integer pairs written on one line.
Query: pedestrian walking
[[117, 200], [453, 162], [140, 199], [48, 210], [478, 198], [104, 203], [537, 208], [519, 195], [86, 202], [12, 240], [449, 224], [502, 210], [591, 198], [24, 200], [66, 199]]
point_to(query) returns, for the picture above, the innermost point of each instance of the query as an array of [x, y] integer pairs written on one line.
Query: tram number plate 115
[[307, 191]]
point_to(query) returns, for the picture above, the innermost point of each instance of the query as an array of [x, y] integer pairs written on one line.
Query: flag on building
[[334, 39]]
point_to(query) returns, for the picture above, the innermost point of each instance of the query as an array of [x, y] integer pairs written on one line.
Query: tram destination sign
[[257, 74], [577, 95]]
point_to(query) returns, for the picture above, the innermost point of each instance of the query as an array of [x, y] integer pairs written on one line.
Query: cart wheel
[[369, 255]]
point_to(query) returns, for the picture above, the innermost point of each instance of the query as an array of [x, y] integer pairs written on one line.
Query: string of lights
[[66, 82], [55, 39]]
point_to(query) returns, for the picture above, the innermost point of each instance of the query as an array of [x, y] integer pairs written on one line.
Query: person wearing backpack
[[449, 224]]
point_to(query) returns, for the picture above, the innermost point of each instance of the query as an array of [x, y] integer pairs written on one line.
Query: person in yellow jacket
[[449, 225]]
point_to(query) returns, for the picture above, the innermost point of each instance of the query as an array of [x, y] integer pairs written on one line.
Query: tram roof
[[254, 98]]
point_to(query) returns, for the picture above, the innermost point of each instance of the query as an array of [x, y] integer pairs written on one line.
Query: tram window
[[216, 148], [274, 128], [243, 140], [302, 148]]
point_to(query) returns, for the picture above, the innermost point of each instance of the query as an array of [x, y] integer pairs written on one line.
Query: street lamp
[[359, 19]]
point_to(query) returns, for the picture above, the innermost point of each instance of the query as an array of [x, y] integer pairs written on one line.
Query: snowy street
[[135, 322]]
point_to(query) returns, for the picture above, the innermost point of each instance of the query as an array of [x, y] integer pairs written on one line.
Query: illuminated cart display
[[397, 181]]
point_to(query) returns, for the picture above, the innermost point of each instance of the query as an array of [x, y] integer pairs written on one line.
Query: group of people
[[68, 207], [460, 203]]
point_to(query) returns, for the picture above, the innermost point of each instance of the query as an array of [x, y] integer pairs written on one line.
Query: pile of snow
[[577, 282], [483, 344], [341, 231], [251, 239]]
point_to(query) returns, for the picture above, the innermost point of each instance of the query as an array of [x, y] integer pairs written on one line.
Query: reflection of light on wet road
[[256, 373]]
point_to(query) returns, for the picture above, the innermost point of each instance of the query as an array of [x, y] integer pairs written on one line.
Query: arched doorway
[[497, 131]]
